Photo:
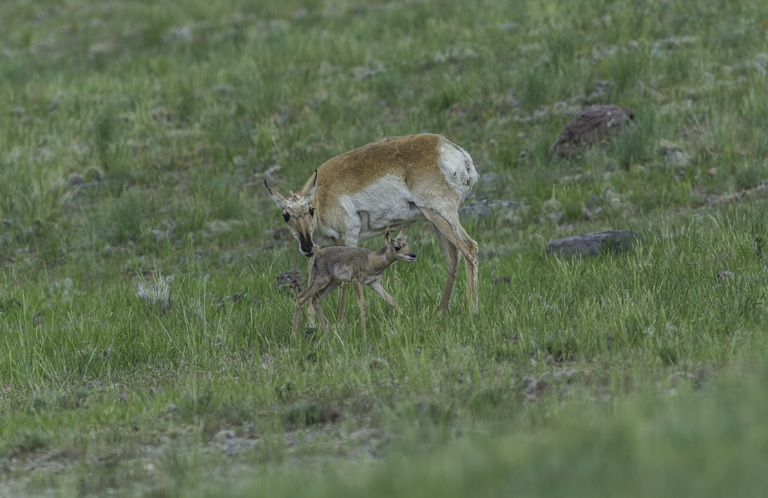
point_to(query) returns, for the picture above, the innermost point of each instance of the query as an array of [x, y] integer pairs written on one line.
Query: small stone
[[725, 276], [159, 235], [593, 126], [291, 280], [223, 435], [677, 159], [592, 244]]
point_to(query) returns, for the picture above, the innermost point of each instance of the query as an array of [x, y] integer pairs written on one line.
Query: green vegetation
[[145, 350]]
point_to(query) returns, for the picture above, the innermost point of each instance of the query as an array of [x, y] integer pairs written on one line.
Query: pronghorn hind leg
[[455, 233], [318, 312], [451, 254], [361, 304]]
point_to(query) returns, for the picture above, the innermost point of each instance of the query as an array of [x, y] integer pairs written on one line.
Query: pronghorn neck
[[387, 257]]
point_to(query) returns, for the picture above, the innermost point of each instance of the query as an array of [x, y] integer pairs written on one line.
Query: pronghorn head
[[399, 247], [299, 214]]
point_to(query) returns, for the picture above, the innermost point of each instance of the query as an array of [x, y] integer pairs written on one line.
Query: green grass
[[145, 350]]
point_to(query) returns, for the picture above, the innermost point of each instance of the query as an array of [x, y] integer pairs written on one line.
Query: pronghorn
[[334, 265], [390, 183]]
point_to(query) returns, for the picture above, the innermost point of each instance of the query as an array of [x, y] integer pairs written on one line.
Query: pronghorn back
[[391, 177]]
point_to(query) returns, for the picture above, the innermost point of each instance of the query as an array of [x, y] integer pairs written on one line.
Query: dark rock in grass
[[487, 208], [290, 280], [592, 244], [725, 276], [592, 126], [305, 413]]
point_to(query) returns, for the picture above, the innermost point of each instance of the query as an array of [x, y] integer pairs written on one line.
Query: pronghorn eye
[[311, 211], [286, 217], [397, 248]]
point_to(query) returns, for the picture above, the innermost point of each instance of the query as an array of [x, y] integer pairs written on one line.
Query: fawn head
[[299, 214], [399, 247]]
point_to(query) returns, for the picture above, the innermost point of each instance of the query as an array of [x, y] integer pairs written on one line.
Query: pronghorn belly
[[369, 279], [343, 273], [386, 203]]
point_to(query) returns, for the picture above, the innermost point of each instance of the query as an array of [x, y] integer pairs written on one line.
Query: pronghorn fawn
[[332, 266], [390, 183]]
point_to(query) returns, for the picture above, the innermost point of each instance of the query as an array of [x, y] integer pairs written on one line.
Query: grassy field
[[145, 350]]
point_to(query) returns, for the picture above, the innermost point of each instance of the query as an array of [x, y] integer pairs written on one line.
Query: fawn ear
[[401, 233], [386, 235]]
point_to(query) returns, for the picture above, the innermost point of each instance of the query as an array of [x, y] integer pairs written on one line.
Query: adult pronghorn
[[388, 184]]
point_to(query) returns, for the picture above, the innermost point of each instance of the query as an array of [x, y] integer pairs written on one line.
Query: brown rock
[[594, 125], [291, 280]]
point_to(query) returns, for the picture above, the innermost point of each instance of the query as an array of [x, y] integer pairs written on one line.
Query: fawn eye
[[286, 217], [397, 248], [311, 211]]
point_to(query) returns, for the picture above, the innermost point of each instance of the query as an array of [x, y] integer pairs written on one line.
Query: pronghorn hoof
[[310, 331]]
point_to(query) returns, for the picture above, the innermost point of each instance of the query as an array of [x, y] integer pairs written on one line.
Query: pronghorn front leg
[[377, 287]]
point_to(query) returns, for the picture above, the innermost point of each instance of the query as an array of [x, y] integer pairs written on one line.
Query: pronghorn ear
[[386, 235], [401, 233], [309, 191], [275, 195]]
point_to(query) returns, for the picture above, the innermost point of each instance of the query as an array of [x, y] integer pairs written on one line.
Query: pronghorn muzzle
[[306, 245]]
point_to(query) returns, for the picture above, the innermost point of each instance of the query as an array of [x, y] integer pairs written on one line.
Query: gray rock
[[674, 153], [592, 126], [677, 159], [487, 208], [725, 276], [592, 244]]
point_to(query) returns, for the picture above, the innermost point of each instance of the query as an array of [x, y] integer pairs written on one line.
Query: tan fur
[[393, 182], [337, 264]]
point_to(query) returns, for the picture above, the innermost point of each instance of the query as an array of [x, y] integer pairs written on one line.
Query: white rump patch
[[457, 166]]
